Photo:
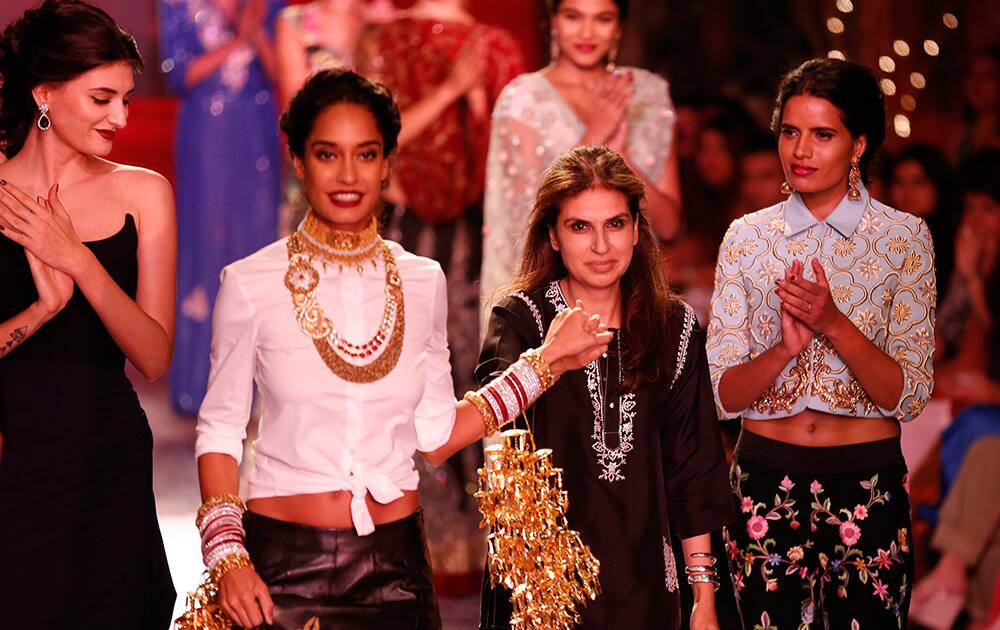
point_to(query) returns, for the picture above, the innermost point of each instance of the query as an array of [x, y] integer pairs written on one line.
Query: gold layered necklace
[[314, 241]]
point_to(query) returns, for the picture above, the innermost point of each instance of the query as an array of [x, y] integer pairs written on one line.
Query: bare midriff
[[332, 510], [817, 428]]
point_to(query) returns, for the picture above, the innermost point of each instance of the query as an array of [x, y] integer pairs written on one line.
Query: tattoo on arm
[[16, 337]]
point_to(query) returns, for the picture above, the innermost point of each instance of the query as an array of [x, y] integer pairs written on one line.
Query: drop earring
[[786, 188], [612, 57], [43, 120], [853, 179]]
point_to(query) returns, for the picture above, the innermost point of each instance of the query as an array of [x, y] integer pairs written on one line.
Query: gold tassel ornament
[[533, 552]]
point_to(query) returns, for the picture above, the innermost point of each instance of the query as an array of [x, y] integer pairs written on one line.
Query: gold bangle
[[480, 403], [540, 366], [227, 564], [218, 499]]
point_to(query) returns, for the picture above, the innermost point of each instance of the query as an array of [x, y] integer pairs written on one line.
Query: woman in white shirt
[[333, 527]]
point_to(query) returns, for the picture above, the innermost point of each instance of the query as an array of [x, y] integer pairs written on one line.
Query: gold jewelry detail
[[489, 419], [532, 550], [612, 57], [540, 366], [218, 499], [227, 564], [302, 280], [339, 247], [853, 179], [786, 188]]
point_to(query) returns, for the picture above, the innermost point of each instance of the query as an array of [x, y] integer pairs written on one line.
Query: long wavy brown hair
[[646, 295]]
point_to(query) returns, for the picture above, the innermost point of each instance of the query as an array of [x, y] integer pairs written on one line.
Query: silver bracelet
[[704, 579]]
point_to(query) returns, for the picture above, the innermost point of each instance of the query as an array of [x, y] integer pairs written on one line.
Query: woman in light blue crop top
[[821, 337]]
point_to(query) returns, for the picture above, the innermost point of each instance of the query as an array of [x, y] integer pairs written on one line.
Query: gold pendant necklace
[[302, 279]]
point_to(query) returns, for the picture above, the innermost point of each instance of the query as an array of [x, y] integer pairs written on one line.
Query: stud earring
[[853, 179], [786, 188], [43, 120]]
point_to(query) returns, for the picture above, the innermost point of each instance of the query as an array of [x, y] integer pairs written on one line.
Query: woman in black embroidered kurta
[[634, 458]]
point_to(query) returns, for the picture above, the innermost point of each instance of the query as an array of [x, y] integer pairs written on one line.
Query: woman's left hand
[[41, 226], [810, 302], [703, 616]]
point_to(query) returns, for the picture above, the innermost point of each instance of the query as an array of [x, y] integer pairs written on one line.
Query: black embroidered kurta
[[653, 461]]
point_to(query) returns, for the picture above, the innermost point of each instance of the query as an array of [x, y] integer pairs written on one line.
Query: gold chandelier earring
[[554, 50], [786, 188], [612, 57], [853, 179]]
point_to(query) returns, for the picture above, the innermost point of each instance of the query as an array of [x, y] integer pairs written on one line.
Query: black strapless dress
[[80, 546]]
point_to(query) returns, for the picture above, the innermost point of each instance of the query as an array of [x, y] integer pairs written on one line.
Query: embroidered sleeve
[[225, 411], [697, 485], [728, 340], [434, 417], [513, 169], [651, 124], [910, 339], [515, 325]]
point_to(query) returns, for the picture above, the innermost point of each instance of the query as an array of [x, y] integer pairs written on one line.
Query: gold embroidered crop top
[[880, 266]]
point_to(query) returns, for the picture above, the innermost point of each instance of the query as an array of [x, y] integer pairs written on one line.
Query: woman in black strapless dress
[[85, 285]]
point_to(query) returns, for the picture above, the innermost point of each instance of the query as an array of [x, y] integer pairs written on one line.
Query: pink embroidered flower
[[803, 572], [880, 589], [812, 527], [794, 524], [772, 585], [734, 551], [815, 487], [860, 512], [850, 532], [747, 504], [786, 483], [883, 560], [841, 592], [739, 581], [756, 527], [795, 553]]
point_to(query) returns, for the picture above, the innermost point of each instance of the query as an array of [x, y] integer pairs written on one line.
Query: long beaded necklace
[[314, 240]]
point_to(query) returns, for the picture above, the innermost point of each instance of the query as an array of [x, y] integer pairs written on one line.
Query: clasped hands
[[807, 308], [575, 339], [45, 231]]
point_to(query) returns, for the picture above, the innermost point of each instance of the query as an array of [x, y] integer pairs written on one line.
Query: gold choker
[[339, 247]]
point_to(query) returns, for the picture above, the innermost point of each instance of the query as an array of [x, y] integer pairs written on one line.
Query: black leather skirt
[[345, 581]]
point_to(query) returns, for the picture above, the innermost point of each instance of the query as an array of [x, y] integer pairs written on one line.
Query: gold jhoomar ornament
[[532, 551], [203, 611]]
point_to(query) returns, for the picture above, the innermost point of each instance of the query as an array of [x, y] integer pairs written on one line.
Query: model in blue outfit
[[216, 55]]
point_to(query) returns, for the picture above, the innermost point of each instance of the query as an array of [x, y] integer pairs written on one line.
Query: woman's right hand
[[251, 20], [575, 339], [467, 69], [608, 113], [244, 598]]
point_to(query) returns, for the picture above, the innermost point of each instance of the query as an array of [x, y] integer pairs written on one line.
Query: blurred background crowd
[[220, 71]]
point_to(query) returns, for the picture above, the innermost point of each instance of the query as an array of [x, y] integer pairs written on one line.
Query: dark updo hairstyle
[[339, 85], [53, 43], [853, 90], [621, 4]]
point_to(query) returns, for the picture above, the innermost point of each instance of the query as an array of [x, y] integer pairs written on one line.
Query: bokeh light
[[836, 54], [886, 63], [901, 125], [835, 25], [918, 80], [901, 48], [950, 20], [888, 87], [908, 102], [931, 47]]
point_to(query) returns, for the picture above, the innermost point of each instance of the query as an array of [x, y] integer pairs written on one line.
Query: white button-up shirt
[[319, 433]]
